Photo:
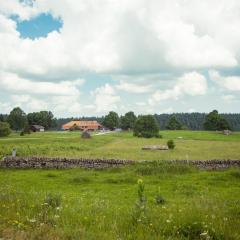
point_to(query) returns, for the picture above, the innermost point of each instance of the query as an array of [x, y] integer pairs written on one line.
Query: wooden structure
[[37, 128], [82, 125]]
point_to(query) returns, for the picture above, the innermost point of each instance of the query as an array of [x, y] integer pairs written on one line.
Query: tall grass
[[82, 204]]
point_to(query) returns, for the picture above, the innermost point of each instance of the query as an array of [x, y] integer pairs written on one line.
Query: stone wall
[[57, 163], [60, 163]]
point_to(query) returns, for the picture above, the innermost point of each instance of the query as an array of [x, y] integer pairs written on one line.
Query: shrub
[[146, 126], [171, 144], [4, 129]]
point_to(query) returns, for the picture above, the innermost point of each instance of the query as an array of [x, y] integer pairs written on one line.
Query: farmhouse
[[37, 128], [82, 125]]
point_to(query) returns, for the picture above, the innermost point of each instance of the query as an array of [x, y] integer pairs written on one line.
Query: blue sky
[[79, 58]]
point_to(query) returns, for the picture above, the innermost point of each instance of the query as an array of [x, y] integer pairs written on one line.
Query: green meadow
[[149, 200], [192, 145]]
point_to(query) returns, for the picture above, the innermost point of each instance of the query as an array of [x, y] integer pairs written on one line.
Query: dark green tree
[[17, 119], [3, 117], [146, 126], [173, 123], [214, 122], [4, 129], [43, 118], [111, 120], [128, 120]]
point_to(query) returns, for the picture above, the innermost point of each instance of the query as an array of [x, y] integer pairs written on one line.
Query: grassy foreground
[[179, 202], [194, 145]]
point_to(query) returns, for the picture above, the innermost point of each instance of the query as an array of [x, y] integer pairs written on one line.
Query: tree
[[214, 122], [17, 119], [43, 118], [111, 120], [173, 123], [146, 126], [4, 129], [128, 121]]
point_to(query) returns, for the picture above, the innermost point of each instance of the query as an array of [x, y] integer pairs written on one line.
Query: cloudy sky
[[87, 57]]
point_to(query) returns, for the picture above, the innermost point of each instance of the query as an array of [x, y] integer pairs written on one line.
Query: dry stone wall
[[46, 162], [61, 163]]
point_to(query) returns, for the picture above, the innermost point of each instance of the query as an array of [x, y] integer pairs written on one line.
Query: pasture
[[177, 201], [194, 145]]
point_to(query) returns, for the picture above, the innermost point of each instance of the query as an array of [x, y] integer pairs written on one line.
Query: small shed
[[37, 128]]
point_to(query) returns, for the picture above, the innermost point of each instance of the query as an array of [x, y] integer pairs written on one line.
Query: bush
[[146, 126], [4, 129], [171, 144]]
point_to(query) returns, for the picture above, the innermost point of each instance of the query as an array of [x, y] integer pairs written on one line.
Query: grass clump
[[158, 168], [81, 180]]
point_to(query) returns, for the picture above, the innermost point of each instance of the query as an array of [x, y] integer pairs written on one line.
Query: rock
[[155, 147], [227, 132], [85, 135]]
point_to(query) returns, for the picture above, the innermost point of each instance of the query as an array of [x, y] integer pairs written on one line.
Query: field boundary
[[64, 163], [57, 163]]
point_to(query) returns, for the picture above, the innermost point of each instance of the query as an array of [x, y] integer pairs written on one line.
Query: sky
[[88, 57]]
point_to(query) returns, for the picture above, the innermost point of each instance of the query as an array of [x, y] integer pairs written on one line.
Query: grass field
[[195, 145], [181, 203], [178, 201]]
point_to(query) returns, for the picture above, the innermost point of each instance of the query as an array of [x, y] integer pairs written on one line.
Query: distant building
[[82, 125], [37, 128]]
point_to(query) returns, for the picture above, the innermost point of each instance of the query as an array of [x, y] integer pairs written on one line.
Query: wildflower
[[168, 221], [32, 220], [140, 181]]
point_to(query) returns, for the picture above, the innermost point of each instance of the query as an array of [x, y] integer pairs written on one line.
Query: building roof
[[89, 124], [37, 126]]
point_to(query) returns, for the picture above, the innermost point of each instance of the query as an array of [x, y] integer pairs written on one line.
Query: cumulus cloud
[[230, 83], [190, 84], [111, 36], [132, 41], [105, 99]]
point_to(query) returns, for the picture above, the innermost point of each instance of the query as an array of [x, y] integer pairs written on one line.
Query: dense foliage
[[214, 122], [4, 129], [17, 119], [195, 121], [128, 121], [173, 123], [146, 126], [43, 118], [111, 120]]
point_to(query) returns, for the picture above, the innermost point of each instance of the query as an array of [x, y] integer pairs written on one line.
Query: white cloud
[[13, 83], [228, 98], [133, 87], [112, 36], [230, 83], [134, 42], [190, 84], [105, 99]]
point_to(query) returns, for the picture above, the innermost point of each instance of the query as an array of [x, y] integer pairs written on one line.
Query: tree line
[[18, 120]]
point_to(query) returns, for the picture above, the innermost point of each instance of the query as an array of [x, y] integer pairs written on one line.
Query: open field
[[101, 204], [180, 202], [195, 145]]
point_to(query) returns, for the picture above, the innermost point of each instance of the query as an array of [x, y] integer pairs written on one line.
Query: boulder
[[227, 132], [155, 147], [85, 135]]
